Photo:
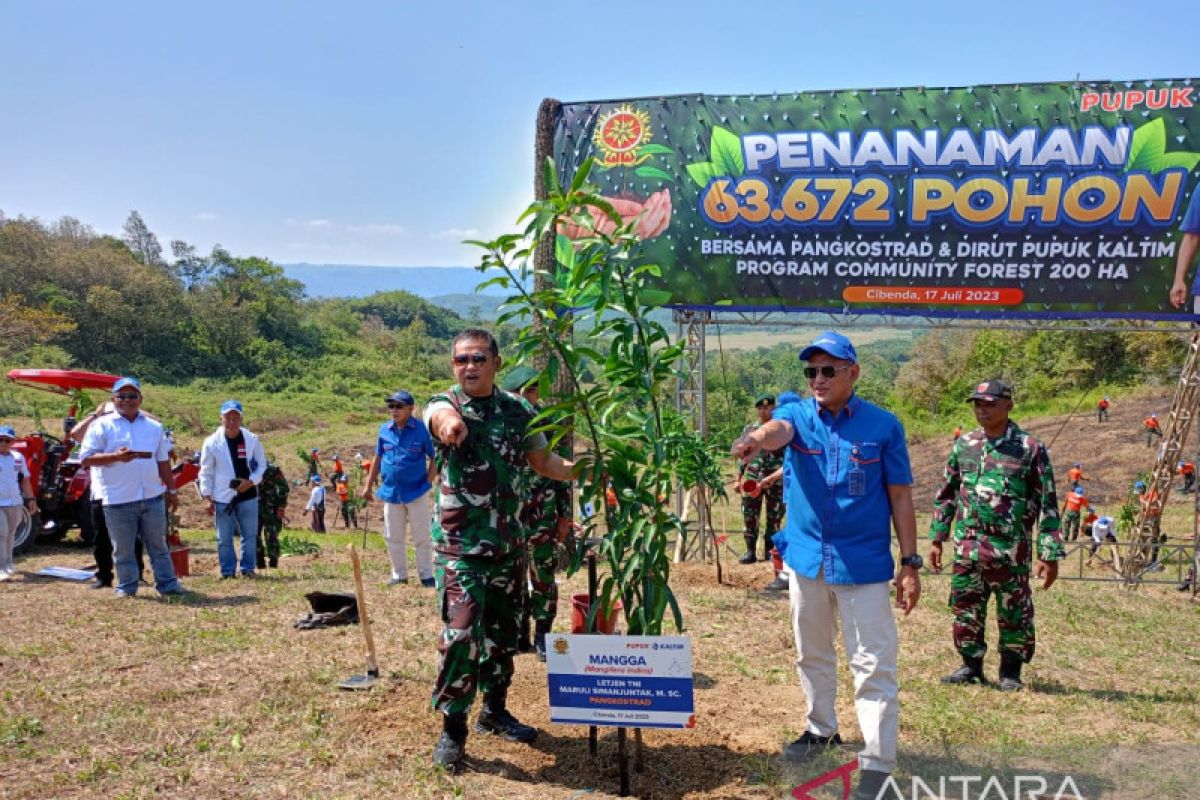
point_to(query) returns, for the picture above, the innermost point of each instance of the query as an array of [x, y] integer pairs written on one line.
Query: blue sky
[[383, 133]]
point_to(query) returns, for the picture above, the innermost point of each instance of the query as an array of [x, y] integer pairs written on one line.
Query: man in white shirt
[[134, 473], [15, 492], [232, 463]]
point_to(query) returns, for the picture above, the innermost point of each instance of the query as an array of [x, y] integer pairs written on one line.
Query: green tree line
[[72, 298]]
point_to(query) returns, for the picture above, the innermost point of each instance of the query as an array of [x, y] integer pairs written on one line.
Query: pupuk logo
[[620, 135]]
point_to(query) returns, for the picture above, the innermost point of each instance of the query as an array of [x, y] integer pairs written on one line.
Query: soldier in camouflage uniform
[[272, 506], [998, 483], [481, 445], [546, 515], [763, 464]]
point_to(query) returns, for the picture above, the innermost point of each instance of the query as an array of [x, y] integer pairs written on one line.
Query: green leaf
[[726, 152], [581, 175], [654, 297], [564, 252], [723, 303], [1179, 159], [1147, 147], [654, 150], [702, 172], [653, 172]]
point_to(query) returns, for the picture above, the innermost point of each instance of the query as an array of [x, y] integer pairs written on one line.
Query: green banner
[[1056, 200]]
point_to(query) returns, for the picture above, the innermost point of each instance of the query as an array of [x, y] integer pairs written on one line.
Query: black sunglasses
[[825, 371], [474, 358], [397, 405], [126, 396]]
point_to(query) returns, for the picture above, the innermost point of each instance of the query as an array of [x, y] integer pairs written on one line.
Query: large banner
[[1057, 200]]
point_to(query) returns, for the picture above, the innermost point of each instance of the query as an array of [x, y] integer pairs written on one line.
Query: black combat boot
[[970, 672], [452, 746], [524, 643], [274, 563], [539, 637], [495, 718], [749, 557], [1010, 671]]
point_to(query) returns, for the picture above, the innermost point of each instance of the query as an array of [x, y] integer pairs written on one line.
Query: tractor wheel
[[26, 533]]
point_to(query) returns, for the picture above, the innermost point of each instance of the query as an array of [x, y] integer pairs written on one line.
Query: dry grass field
[[217, 696]]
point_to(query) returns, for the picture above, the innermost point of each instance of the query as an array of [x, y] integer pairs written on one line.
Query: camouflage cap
[[517, 379], [991, 390], [765, 397]]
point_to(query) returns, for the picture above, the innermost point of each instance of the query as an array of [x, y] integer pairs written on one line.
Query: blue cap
[[832, 343], [230, 405], [123, 382], [1079, 490], [1139, 485], [7, 430], [401, 396], [316, 478], [787, 397]]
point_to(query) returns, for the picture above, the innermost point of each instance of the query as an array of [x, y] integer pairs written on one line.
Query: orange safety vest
[[1151, 422], [343, 491], [1076, 501], [1187, 468], [1102, 404], [1074, 475]]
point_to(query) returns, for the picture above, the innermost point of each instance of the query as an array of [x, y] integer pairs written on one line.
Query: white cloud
[[379, 229], [318, 223], [456, 233], [206, 216]]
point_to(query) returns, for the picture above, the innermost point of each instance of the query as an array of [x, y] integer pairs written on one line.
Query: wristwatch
[[915, 561]]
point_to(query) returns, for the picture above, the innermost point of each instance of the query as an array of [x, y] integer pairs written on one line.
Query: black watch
[[915, 561]]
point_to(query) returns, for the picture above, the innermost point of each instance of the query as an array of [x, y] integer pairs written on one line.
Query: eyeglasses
[[825, 371], [127, 397], [474, 358]]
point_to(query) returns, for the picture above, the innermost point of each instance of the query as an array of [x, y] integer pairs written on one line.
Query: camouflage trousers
[[1070, 526], [541, 558], [481, 608], [751, 508], [269, 528], [972, 585]]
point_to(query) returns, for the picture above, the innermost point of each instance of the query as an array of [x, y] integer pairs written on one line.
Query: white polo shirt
[[12, 469], [133, 480]]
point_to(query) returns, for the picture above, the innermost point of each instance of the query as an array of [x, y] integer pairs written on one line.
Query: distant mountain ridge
[[354, 280]]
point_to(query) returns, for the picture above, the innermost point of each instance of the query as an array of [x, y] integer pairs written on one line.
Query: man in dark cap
[[998, 483], [755, 487], [848, 482], [404, 463]]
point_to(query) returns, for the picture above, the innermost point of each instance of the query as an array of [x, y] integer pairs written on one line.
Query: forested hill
[[72, 298], [350, 280]]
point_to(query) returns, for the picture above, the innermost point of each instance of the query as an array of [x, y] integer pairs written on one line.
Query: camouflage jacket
[[273, 491], [993, 493], [763, 464], [545, 498], [478, 502]]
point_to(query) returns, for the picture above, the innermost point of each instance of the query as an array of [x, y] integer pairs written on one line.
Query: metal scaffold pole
[[1145, 540]]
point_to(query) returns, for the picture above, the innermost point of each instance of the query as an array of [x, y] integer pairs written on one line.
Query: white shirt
[[316, 498], [216, 465], [1102, 528], [12, 469], [133, 480]]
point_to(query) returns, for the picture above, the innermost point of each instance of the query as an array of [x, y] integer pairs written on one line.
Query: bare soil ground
[[219, 697]]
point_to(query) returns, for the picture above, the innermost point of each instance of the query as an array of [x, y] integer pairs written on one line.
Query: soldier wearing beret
[[998, 486]]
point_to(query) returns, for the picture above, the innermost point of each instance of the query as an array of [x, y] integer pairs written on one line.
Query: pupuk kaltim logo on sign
[[619, 134]]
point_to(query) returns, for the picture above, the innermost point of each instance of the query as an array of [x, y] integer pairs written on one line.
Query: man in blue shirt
[[847, 481], [1188, 247], [404, 461]]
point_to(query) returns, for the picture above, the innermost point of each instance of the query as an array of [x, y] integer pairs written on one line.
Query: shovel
[[357, 682]]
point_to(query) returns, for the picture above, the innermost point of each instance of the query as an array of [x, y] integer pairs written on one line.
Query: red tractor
[[62, 488]]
